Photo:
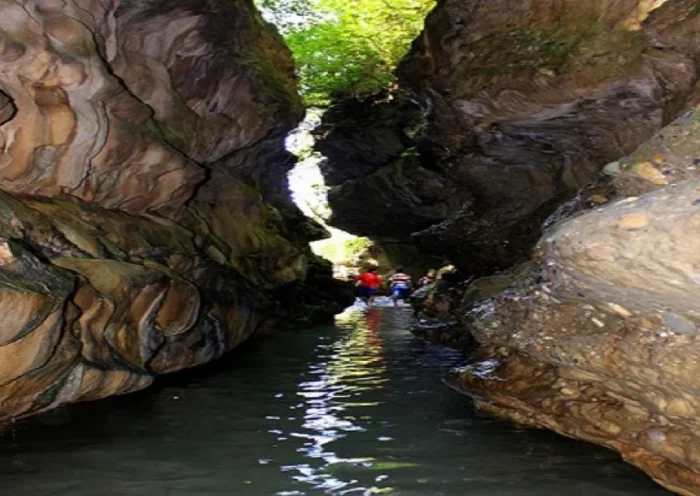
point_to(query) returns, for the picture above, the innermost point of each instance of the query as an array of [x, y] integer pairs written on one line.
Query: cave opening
[[444, 122]]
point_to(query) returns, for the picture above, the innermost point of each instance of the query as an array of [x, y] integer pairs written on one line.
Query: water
[[352, 409]]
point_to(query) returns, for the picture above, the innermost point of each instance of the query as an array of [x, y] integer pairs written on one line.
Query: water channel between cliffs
[[357, 408]]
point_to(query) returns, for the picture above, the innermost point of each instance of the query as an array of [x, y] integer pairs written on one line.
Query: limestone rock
[[598, 340], [522, 104], [145, 222]]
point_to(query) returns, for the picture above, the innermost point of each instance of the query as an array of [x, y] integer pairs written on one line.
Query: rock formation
[[598, 338], [507, 109], [145, 223]]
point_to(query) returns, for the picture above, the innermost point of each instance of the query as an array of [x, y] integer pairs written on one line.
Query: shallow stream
[[352, 409]]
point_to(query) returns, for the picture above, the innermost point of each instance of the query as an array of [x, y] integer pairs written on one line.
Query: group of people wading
[[401, 286]]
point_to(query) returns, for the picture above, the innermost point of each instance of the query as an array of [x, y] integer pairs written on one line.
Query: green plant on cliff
[[346, 47], [343, 249]]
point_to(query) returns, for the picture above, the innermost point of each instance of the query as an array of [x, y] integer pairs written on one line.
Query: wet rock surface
[[145, 223], [597, 338], [521, 105], [378, 185]]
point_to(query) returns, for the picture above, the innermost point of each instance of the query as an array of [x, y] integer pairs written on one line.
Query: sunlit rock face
[[119, 103], [599, 337], [145, 223], [515, 107]]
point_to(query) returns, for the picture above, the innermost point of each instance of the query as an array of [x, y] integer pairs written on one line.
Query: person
[[428, 279], [400, 286], [367, 285]]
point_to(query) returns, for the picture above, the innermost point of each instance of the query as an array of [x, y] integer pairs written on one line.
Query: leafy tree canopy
[[346, 47]]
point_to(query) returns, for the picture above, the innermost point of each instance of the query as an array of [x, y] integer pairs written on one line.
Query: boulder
[[598, 340]]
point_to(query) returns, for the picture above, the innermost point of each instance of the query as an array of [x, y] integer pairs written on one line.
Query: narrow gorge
[[547, 151], [535, 146]]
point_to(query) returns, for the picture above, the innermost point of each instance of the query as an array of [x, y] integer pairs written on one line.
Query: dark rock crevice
[[8, 109], [520, 108]]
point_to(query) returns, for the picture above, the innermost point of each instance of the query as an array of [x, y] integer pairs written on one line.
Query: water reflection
[[352, 365], [352, 409]]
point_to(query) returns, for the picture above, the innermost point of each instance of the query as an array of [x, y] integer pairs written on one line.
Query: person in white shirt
[[400, 286]]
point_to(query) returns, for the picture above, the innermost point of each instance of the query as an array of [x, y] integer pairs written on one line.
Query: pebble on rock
[[679, 324], [647, 171], [634, 221]]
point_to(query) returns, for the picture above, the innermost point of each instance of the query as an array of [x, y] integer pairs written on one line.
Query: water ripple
[[352, 409]]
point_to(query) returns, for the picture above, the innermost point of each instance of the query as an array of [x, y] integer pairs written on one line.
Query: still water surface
[[352, 409]]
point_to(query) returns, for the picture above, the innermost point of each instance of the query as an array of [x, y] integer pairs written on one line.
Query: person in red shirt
[[367, 285]]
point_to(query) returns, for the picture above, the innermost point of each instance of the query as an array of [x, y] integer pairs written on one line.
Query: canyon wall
[[597, 337], [145, 222], [505, 111], [512, 118], [594, 337]]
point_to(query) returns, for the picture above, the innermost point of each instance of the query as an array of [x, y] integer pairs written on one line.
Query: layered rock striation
[[145, 222], [597, 338], [506, 110]]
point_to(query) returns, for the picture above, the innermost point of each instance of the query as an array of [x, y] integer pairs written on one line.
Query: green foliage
[[346, 47], [317, 203], [410, 152], [290, 15], [358, 246], [342, 250]]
